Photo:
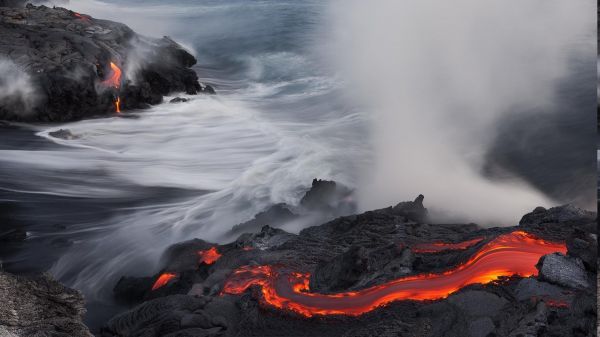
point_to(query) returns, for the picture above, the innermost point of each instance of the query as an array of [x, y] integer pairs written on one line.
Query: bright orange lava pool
[[515, 253]]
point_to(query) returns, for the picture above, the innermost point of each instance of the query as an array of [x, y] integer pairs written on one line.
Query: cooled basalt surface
[[59, 65], [368, 274], [40, 307]]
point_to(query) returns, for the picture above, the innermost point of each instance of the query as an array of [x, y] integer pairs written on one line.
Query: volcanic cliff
[[58, 65]]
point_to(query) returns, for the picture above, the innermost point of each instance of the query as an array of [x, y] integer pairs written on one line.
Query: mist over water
[[439, 78]]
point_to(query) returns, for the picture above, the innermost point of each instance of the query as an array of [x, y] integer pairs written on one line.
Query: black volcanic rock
[[324, 195], [274, 216], [172, 316], [323, 201], [56, 62], [359, 251], [412, 210], [178, 100], [40, 307], [360, 267], [564, 271]]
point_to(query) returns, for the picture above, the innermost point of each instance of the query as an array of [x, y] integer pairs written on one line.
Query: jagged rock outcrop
[[40, 307], [324, 200], [56, 66]]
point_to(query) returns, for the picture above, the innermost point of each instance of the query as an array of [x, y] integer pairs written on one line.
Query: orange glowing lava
[[114, 81], [515, 253], [163, 279], [81, 17], [209, 256], [442, 246], [118, 104]]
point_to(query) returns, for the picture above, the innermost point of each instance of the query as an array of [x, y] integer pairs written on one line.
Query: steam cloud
[[437, 76], [16, 88]]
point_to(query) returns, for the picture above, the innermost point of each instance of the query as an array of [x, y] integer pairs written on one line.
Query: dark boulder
[[563, 270], [584, 245], [63, 134], [178, 100]]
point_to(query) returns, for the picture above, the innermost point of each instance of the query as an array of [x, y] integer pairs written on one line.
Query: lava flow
[[209, 256], [442, 246], [163, 279], [515, 253], [81, 17], [114, 81]]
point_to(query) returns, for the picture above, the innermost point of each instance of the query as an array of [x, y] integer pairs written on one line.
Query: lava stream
[[443, 246], [114, 80], [163, 279], [515, 253]]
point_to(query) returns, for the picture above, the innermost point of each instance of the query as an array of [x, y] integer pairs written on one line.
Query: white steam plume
[[436, 76], [17, 92]]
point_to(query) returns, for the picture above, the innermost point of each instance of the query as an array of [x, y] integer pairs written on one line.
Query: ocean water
[[110, 201]]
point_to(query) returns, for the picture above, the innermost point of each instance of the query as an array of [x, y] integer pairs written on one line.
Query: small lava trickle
[[209, 256], [512, 254], [114, 81], [163, 280], [81, 17]]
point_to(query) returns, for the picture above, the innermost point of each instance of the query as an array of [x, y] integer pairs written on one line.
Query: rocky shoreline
[[352, 253], [359, 251], [60, 66]]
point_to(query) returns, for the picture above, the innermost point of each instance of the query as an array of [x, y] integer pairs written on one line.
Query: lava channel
[[511, 254], [437, 247]]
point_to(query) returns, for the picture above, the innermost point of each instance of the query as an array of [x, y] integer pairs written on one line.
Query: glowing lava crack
[[114, 81], [515, 253]]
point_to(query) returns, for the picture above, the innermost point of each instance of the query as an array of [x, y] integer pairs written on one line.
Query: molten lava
[[209, 256], [163, 279], [442, 246], [557, 304], [515, 253], [114, 81], [81, 17]]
